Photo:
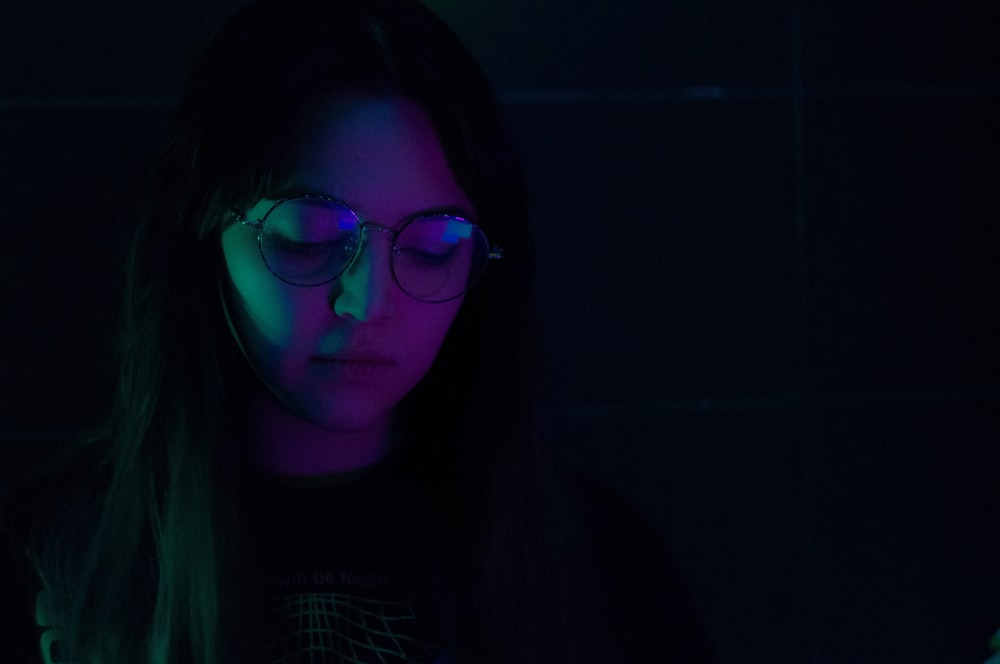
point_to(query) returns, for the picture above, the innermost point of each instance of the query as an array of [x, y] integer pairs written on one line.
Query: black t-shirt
[[341, 572]]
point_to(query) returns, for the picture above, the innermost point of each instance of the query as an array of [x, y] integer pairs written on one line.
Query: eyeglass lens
[[310, 241]]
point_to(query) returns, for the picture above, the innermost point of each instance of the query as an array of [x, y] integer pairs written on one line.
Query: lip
[[360, 359]]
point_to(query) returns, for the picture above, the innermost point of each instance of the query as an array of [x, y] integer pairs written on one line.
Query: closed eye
[[429, 258], [281, 243]]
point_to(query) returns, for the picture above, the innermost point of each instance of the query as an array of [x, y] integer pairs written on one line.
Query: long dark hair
[[143, 571]]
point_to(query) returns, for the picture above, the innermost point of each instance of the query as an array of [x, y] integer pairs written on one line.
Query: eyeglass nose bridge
[[363, 228]]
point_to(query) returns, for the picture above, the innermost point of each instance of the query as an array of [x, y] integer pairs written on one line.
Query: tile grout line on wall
[[562, 95], [804, 346]]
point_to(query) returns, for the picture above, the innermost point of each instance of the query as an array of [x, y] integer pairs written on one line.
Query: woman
[[321, 447]]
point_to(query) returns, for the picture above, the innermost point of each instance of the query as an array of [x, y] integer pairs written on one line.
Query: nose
[[364, 290]]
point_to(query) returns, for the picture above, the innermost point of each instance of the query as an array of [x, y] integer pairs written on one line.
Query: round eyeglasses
[[311, 240]]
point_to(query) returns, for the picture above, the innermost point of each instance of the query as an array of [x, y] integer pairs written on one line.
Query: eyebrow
[[294, 191], [442, 211]]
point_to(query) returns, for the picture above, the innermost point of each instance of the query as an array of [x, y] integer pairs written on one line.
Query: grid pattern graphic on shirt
[[333, 628]]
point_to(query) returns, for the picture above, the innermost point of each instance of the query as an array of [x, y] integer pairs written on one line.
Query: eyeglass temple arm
[[242, 218]]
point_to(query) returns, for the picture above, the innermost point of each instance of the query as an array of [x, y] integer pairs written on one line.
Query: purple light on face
[[346, 224], [456, 230]]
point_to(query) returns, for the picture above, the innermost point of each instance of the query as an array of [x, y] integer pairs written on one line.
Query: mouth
[[353, 359]]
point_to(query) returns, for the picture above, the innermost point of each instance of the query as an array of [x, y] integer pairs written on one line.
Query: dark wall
[[767, 289]]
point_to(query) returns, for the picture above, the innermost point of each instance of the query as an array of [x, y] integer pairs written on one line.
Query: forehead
[[380, 154]]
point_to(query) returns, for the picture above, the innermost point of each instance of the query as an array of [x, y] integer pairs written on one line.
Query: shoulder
[[18, 632], [645, 602], [29, 486], [46, 488]]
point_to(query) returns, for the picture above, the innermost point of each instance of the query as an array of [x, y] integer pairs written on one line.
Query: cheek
[[263, 309], [265, 316], [429, 327]]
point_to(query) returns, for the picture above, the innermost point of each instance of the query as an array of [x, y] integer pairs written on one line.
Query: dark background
[[767, 292]]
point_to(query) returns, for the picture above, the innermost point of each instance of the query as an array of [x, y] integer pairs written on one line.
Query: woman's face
[[341, 356]]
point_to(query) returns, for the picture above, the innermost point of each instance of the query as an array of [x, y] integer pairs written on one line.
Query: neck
[[293, 451]]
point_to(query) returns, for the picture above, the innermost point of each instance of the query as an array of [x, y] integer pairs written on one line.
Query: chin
[[346, 417]]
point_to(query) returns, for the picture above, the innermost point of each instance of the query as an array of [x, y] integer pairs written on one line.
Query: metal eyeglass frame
[[493, 252]]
